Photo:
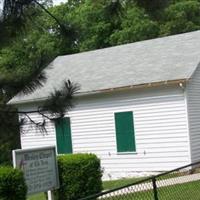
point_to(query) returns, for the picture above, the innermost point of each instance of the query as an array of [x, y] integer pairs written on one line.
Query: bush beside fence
[[80, 176], [12, 184]]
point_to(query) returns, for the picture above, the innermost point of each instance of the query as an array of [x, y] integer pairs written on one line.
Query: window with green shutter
[[63, 136], [125, 134]]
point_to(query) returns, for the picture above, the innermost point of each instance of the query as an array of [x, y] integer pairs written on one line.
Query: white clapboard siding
[[31, 137], [193, 101], [161, 130]]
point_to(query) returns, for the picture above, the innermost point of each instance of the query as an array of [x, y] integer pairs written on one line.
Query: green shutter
[[125, 134], [63, 136]]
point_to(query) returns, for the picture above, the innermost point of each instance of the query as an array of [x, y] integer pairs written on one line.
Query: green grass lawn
[[107, 185], [40, 196], [186, 191]]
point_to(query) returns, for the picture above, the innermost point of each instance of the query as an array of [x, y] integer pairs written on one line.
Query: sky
[[1, 4], [56, 2]]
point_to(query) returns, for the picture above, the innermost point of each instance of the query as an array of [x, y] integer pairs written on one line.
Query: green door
[[63, 136], [125, 132]]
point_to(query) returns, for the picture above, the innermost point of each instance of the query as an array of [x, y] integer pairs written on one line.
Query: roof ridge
[[129, 44]]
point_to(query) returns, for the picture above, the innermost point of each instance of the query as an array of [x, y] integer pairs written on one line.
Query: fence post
[[155, 189]]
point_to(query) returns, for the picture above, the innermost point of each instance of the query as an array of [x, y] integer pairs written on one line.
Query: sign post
[[50, 195], [40, 169]]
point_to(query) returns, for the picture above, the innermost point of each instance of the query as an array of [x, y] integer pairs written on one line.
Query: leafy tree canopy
[[136, 25], [180, 17]]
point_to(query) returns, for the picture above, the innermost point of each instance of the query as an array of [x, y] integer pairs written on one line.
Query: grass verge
[[40, 196], [185, 191]]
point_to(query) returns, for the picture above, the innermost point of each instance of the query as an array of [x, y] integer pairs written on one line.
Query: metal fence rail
[[182, 183]]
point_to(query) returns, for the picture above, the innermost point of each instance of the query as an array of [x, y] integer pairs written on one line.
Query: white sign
[[40, 168]]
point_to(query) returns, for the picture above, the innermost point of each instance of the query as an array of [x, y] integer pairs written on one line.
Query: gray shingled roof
[[163, 59]]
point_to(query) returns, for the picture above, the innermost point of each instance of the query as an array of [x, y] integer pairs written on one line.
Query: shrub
[[12, 184], [80, 176]]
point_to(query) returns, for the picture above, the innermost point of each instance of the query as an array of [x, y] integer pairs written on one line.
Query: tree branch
[[44, 115], [51, 15], [39, 125]]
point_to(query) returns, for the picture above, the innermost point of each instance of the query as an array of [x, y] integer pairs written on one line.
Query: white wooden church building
[[138, 108]]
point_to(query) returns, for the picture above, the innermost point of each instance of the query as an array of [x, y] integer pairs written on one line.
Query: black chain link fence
[[180, 184]]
